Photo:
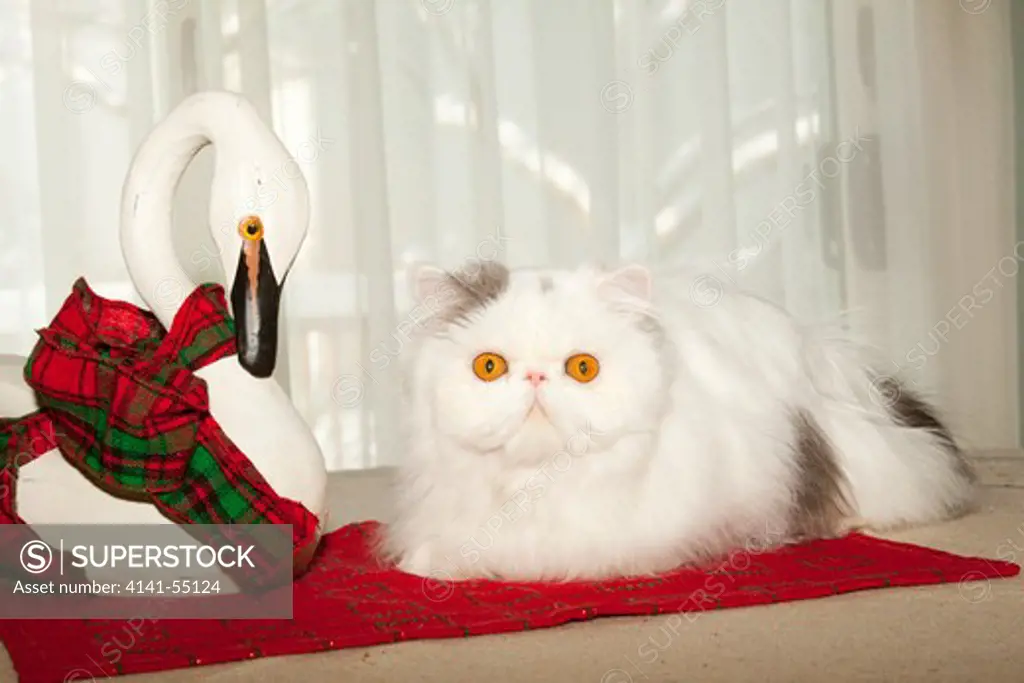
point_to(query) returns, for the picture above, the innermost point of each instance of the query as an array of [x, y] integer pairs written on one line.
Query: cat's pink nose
[[535, 377]]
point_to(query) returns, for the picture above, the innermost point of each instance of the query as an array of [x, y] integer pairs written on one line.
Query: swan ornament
[[192, 373]]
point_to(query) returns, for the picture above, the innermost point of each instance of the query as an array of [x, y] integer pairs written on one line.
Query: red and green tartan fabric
[[119, 396]]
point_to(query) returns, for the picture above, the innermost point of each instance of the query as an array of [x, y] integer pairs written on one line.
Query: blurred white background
[[852, 156]]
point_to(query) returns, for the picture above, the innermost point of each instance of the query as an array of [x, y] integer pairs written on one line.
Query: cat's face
[[527, 365]]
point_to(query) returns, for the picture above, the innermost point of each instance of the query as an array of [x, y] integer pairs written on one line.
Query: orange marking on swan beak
[[252, 265]]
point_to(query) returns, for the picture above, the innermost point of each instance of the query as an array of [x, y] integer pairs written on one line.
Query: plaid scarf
[[119, 396]]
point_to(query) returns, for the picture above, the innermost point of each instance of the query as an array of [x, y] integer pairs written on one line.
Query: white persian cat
[[586, 424]]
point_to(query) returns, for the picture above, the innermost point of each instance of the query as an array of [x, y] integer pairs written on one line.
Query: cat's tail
[[899, 461]]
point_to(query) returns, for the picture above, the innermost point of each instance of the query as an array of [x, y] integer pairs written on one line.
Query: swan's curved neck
[[147, 204]]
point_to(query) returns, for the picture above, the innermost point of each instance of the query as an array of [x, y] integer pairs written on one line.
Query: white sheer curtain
[[845, 156]]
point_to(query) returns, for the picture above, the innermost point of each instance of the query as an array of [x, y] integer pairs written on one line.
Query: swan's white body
[[254, 412]]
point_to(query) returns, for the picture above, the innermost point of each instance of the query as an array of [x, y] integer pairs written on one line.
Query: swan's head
[[260, 209]]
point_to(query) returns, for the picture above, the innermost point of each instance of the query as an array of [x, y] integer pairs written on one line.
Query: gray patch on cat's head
[[474, 290], [546, 283], [644, 316], [820, 506], [651, 326]]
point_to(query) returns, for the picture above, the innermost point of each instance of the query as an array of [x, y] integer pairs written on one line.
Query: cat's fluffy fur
[[716, 422]]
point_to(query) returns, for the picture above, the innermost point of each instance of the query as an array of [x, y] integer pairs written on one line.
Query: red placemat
[[347, 600]]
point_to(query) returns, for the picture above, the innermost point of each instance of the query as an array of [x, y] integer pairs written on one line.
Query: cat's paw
[[424, 562], [438, 573], [437, 580], [412, 564]]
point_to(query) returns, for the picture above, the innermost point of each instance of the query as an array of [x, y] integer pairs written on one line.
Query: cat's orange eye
[[582, 367], [251, 228], [489, 366]]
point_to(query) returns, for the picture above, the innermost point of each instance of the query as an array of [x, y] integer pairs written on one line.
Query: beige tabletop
[[973, 632]]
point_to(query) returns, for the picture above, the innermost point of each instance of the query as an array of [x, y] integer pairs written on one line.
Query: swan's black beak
[[255, 301]]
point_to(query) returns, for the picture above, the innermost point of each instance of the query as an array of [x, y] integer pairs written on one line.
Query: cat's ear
[[425, 281], [633, 280]]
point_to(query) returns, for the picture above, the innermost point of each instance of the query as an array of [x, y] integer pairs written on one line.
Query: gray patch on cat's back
[[546, 283], [820, 505], [474, 290], [909, 409]]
